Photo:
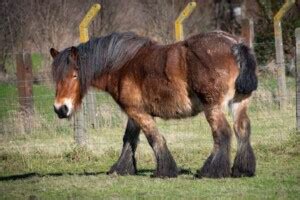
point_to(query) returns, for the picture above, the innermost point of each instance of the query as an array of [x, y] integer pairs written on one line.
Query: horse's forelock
[[60, 65]]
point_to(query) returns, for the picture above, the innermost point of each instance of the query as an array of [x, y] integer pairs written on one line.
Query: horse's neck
[[101, 82]]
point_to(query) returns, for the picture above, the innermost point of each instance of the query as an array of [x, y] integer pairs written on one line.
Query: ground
[[46, 164], [51, 167]]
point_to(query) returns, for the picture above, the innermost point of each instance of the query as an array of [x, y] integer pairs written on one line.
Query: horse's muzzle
[[62, 112]]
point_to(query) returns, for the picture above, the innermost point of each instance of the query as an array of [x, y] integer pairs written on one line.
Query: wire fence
[[269, 122]]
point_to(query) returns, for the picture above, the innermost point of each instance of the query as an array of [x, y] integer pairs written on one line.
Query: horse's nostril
[[64, 110]]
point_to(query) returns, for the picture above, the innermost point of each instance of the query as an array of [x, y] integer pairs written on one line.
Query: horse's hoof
[[197, 175], [212, 173], [236, 173], [244, 163], [122, 170]]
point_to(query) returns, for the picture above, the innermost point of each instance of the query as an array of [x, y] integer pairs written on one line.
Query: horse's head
[[65, 72]]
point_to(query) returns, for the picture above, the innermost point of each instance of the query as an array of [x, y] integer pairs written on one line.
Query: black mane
[[98, 55]]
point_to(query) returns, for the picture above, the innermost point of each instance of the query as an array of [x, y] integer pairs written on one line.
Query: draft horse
[[204, 73]]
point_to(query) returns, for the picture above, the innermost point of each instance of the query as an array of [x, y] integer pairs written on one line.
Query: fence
[[264, 111], [101, 114]]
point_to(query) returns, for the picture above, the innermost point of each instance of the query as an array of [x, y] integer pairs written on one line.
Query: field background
[[46, 163], [38, 155]]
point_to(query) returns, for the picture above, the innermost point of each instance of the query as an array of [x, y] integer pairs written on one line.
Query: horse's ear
[[53, 52], [74, 53]]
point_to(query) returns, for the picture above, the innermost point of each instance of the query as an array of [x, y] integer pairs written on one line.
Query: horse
[[207, 72]]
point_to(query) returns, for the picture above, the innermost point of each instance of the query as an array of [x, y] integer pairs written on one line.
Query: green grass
[[63, 171], [43, 99], [66, 172], [37, 62], [54, 168]]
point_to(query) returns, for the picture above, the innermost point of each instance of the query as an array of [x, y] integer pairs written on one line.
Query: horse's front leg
[[165, 164], [126, 163], [217, 164]]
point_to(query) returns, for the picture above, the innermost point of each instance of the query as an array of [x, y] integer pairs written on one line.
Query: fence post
[[185, 13], [297, 36], [80, 128], [281, 80], [84, 116], [247, 31], [91, 110], [24, 76], [90, 104], [24, 85]]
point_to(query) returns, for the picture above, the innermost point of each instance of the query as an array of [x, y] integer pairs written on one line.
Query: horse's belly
[[169, 98], [176, 107]]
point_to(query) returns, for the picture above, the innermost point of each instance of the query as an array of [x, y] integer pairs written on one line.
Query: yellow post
[[183, 15], [281, 81], [84, 24], [80, 123]]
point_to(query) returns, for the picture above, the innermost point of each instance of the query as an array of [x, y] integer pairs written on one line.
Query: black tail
[[246, 82]]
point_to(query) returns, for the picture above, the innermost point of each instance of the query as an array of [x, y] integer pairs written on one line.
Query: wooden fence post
[[80, 135], [297, 36], [247, 31], [24, 85], [24, 78], [281, 80], [91, 110]]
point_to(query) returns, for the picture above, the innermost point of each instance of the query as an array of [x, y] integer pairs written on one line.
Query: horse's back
[[177, 80]]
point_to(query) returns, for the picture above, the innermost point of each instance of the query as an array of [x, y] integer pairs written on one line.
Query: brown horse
[[201, 74]]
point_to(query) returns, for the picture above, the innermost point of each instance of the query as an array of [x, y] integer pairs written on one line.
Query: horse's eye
[[75, 76]]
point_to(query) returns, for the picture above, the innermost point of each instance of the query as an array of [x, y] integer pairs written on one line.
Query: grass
[[57, 169], [46, 164]]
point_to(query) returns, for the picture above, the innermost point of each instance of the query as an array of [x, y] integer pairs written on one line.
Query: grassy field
[[51, 167], [46, 164]]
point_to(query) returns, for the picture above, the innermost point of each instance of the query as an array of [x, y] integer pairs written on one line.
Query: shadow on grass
[[34, 174], [142, 172]]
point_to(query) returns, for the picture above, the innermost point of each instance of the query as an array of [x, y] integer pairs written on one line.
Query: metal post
[[297, 36], [84, 37], [281, 80], [79, 118], [84, 24], [179, 35]]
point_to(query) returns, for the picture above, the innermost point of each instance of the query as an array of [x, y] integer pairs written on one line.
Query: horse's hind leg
[[165, 164], [127, 163], [217, 164], [244, 162]]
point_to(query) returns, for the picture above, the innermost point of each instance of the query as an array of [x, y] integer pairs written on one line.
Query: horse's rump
[[215, 62]]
